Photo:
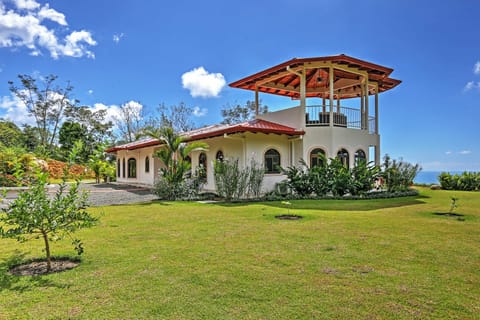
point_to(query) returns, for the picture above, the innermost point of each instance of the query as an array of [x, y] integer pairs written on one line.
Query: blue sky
[[114, 52]]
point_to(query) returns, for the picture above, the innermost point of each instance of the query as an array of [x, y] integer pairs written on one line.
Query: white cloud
[[90, 92], [118, 37], [465, 152], [471, 85], [15, 110], [113, 111], [476, 68], [448, 152], [26, 4], [197, 112], [201, 83], [47, 13], [75, 47], [23, 28]]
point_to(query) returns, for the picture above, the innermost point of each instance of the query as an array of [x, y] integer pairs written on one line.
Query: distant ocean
[[429, 177]]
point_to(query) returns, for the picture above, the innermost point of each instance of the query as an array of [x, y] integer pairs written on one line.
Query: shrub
[[340, 179], [298, 179], [235, 183], [467, 181], [186, 189], [364, 175], [398, 175]]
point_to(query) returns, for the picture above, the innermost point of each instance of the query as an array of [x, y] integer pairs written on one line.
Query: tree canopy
[[239, 113]]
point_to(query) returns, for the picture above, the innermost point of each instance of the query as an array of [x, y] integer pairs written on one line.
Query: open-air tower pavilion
[[332, 79]]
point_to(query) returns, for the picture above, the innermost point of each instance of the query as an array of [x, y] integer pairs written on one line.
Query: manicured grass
[[366, 259]]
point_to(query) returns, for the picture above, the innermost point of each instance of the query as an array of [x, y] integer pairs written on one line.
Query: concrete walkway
[[99, 194]]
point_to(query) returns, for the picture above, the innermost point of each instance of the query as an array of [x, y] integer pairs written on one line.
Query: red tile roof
[[279, 80], [134, 145], [254, 126]]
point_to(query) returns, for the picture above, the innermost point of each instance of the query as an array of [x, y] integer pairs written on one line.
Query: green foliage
[[70, 132], [17, 168], [331, 177], [256, 173], [177, 117], [172, 183], [100, 165], [10, 134], [340, 178], [453, 204], [47, 103], [467, 181], [240, 113], [35, 214], [234, 183], [187, 189], [398, 175], [364, 175]]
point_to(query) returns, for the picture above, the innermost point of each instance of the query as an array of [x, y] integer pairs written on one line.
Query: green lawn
[[366, 259]]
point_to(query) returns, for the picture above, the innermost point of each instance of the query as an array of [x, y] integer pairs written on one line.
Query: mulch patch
[[289, 217], [39, 267]]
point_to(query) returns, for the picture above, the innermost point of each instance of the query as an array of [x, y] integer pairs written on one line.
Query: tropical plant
[[256, 173], [467, 181], [363, 175], [398, 174], [235, 183], [173, 152], [298, 179], [16, 166], [35, 214], [340, 179], [453, 204]]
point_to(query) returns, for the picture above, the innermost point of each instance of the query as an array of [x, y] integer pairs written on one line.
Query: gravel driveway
[[101, 194]]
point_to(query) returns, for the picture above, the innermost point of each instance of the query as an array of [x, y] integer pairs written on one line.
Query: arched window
[[342, 155], [272, 161], [123, 168], [132, 168], [360, 156], [147, 164], [317, 158], [202, 166], [118, 168], [219, 156]]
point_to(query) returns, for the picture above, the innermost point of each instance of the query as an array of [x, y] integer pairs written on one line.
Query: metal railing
[[319, 115]]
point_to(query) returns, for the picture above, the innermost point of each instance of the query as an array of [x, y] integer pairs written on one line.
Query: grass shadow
[[449, 214], [21, 284], [337, 205]]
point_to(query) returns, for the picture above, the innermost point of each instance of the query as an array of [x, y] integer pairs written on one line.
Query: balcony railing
[[346, 117]]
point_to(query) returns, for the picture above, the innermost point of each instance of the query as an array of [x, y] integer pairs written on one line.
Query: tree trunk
[[47, 251]]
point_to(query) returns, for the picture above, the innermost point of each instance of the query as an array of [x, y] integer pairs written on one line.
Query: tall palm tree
[[173, 152]]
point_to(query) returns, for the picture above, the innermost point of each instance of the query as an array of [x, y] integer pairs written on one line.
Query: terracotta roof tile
[[254, 126]]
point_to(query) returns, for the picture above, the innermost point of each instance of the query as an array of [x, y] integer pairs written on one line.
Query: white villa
[[281, 138]]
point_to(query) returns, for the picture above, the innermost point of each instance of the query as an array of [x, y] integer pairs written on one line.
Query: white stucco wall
[[289, 117], [142, 177], [331, 140]]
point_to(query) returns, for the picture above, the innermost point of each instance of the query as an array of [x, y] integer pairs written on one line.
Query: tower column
[[330, 81]]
